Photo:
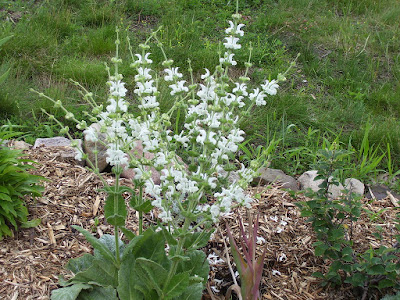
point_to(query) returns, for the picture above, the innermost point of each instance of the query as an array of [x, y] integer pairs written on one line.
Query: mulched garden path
[[32, 260]]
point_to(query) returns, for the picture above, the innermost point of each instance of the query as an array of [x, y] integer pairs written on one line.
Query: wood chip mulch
[[32, 260]]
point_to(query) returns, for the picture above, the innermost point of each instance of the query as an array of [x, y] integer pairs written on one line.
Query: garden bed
[[31, 261]]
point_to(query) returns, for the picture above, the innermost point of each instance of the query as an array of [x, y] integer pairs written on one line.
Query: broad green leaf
[[126, 279], [101, 272], [197, 240], [115, 210], [96, 244], [177, 285], [80, 264], [194, 291], [385, 283], [108, 240], [151, 274], [376, 270], [99, 293], [69, 293], [196, 265], [142, 207]]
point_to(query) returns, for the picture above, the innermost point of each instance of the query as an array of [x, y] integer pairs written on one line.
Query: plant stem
[[140, 212], [116, 232]]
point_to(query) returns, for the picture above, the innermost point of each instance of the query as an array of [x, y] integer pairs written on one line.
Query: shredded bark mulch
[[32, 260]]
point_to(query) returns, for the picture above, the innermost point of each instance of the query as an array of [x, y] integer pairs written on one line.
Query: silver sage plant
[[143, 268]]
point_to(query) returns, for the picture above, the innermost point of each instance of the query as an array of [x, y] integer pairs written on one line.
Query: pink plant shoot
[[250, 269]]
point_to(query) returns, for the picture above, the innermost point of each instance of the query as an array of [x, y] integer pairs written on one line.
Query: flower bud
[[167, 63], [69, 115], [64, 130], [144, 46], [244, 79], [248, 64], [280, 77], [237, 16], [57, 104]]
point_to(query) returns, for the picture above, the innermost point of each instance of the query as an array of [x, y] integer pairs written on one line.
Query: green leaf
[[143, 207], [101, 272], [177, 284], [31, 223], [385, 283], [107, 254], [115, 209], [69, 293], [197, 240], [150, 274], [320, 250], [193, 291], [126, 279], [108, 240], [197, 264], [6, 197], [376, 270], [99, 293], [79, 264], [129, 234], [4, 40]]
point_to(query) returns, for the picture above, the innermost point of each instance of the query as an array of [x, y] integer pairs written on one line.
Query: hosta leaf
[[69, 293]]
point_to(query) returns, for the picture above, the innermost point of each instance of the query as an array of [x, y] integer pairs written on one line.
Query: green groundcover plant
[[15, 184], [334, 220], [163, 261]]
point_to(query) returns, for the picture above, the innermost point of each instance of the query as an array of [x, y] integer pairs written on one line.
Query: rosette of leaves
[[15, 184], [250, 269], [143, 272]]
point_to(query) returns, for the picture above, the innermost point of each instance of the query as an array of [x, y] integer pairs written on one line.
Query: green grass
[[348, 72]]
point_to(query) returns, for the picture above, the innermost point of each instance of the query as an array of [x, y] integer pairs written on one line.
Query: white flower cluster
[[210, 135]]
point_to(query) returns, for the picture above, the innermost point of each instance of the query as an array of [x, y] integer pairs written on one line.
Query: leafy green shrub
[[333, 221], [15, 184]]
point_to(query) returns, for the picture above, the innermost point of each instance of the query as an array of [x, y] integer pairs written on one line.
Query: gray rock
[[90, 147], [20, 145], [52, 142], [380, 191], [355, 186], [306, 181], [233, 176], [269, 175]]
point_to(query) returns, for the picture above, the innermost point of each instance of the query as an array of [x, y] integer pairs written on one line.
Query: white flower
[[231, 43], [240, 89], [172, 74], [276, 273], [90, 135], [114, 104], [149, 102], [201, 137], [145, 88], [178, 87], [116, 157], [143, 73], [228, 58], [235, 30], [165, 216], [258, 96], [117, 88], [207, 75], [270, 87], [143, 60]]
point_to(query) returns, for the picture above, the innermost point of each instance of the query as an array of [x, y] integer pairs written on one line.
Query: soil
[[32, 260]]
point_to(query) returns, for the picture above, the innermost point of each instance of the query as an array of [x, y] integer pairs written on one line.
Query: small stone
[[89, 148], [20, 145], [52, 142], [269, 175]]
